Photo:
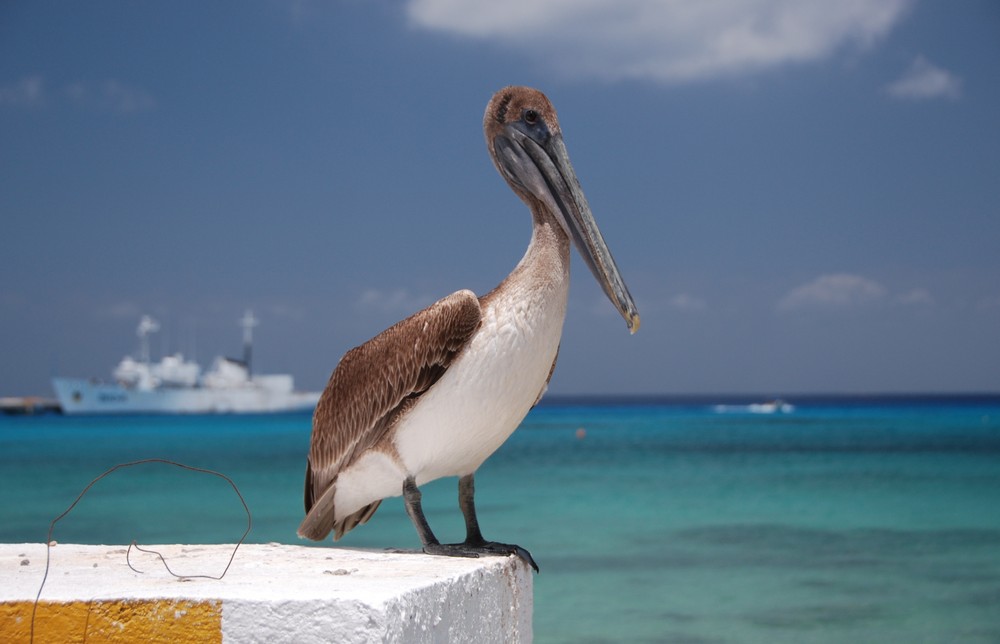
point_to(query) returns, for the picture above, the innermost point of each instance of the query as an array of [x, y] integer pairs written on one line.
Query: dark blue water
[[846, 520]]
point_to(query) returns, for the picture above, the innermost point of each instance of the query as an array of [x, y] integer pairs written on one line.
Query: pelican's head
[[526, 144]]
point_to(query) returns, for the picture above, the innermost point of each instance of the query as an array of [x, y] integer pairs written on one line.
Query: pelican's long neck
[[549, 246], [544, 266]]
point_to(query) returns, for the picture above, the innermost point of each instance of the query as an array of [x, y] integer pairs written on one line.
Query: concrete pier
[[271, 593], [28, 405]]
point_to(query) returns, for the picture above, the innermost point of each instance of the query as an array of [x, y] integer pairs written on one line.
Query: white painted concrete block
[[271, 593]]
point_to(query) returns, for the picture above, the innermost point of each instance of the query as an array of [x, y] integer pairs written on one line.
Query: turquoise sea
[[846, 520]]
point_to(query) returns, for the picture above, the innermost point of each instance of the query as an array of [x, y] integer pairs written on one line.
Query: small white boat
[[776, 406]]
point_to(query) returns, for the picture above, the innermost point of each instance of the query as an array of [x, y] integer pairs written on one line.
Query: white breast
[[488, 391]]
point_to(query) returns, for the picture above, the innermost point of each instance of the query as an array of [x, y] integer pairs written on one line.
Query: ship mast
[[248, 322], [147, 325]]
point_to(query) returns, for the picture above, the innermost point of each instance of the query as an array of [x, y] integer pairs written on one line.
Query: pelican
[[436, 394]]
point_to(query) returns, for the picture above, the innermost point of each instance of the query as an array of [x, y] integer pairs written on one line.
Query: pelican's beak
[[542, 169]]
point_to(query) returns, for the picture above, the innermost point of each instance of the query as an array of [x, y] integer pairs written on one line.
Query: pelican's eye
[[530, 116]]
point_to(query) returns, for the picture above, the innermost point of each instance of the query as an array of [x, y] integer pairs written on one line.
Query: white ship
[[175, 385]]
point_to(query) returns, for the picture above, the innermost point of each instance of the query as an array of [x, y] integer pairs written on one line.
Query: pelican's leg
[[473, 536], [411, 495], [474, 544]]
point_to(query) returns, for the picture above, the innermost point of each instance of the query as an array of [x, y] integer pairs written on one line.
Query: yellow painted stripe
[[158, 620]]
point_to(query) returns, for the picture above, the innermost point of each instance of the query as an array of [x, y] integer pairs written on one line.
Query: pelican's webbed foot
[[474, 544], [483, 548]]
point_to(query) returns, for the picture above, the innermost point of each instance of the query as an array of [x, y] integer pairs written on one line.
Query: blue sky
[[804, 196]]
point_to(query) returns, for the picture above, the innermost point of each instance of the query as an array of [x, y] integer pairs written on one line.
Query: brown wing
[[369, 390]]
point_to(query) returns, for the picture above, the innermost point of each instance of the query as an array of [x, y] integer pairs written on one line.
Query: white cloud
[[915, 297], [834, 291], [663, 40], [286, 311], [398, 301], [27, 92], [924, 80], [687, 303], [121, 310], [110, 95]]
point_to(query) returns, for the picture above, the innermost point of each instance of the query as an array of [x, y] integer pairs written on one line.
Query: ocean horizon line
[[804, 398], [732, 401]]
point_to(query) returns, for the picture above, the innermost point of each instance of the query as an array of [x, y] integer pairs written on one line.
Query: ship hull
[[81, 396]]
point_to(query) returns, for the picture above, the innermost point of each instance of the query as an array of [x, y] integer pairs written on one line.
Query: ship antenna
[[248, 322], [147, 325]]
